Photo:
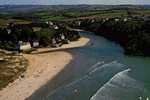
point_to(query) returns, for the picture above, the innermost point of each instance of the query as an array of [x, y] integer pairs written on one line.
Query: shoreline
[[44, 64]]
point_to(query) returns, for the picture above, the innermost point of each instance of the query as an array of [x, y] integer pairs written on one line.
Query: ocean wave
[[86, 86], [120, 87]]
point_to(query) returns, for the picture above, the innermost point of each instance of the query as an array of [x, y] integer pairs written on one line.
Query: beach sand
[[44, 64]]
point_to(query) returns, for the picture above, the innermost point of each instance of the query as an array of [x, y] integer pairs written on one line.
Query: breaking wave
[[120, 87], [84, 88]]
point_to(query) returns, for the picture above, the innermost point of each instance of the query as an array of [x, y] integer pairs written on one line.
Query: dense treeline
[[133, 35], [10, 36]]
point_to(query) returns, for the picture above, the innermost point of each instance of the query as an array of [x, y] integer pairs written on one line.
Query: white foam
[[93, 71], [120, 82]]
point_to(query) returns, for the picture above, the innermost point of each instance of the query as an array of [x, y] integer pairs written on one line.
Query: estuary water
[[103, 72]]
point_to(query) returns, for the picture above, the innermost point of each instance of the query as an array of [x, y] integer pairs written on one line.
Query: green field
[[5, 22], [57, 16], [95, 13], [76, 14], [63, 15]]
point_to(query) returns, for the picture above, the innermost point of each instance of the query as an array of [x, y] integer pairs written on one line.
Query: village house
[[56, 27], [35, 29], [92, 21], [116, 19], [36, 44], [146, 18], [137, 18], [107, 19], [23, 46], [104, 20], [125, 19], [8, 31], [51, 23]]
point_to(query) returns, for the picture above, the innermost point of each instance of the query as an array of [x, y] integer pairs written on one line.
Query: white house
[[51, 23], [62, 36], [36, 44], [104, 20], [125, 19], [56, 27], [107, 19], [92, 21], [117, 19], [78, 23], [24, 46], [9, 31]]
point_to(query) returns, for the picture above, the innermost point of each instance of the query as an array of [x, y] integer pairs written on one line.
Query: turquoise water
[[103, 72], [131, 84]]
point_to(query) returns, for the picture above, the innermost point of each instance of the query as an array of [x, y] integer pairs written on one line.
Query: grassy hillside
[[11, 66]]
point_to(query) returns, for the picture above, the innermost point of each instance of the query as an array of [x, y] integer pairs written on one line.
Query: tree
[[45, 36], [27, 34], [4, 35]]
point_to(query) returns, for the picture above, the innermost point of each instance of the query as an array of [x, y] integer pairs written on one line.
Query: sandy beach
[[44, 64]]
